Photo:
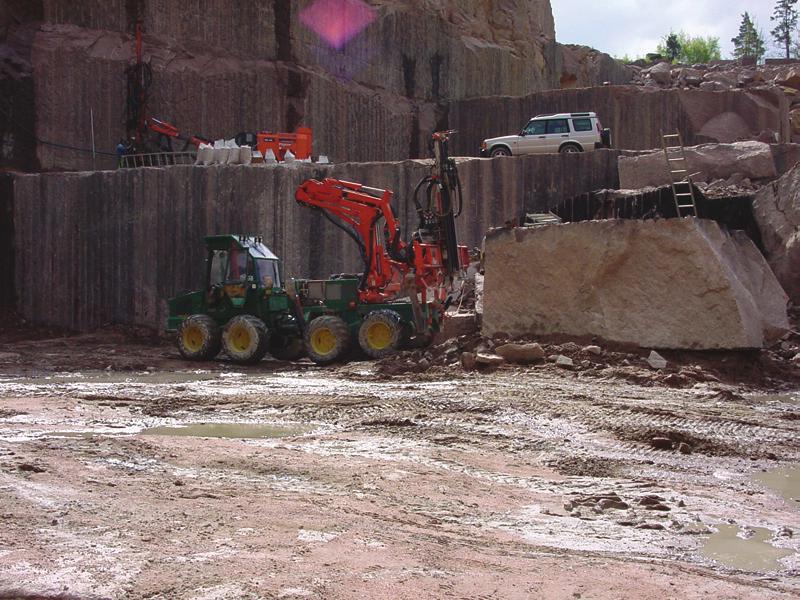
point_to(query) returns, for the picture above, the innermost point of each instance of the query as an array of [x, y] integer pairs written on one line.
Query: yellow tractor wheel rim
[[379, 335], [240, 338], [323, 341], [193, 338]]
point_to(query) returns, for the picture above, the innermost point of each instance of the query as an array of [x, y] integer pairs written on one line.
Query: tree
[[750, 42], [693, 50], [700, 50], [673, 46], [785, 16]]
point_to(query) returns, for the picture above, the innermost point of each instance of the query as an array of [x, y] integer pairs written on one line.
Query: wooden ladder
[[678, 167]]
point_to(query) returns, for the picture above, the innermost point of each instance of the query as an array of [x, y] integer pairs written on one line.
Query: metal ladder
[[678, 167]]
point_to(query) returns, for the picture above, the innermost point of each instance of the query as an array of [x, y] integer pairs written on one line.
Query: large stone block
[[678, 283], [777, 211], [754, 160]]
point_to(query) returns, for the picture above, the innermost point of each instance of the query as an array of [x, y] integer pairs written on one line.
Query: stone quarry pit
[[351, 482], [617, 417]]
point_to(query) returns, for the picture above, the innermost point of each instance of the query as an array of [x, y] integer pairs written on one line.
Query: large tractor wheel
[[327, 339], [287, 348], [381, 333], [245, 339], [199, 338]]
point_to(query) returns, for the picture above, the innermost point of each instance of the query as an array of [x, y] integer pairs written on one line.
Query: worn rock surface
[[777, 211], [582, 66], [112, 246], [220, 68], [678, 283], [637, 116], [707, 162]]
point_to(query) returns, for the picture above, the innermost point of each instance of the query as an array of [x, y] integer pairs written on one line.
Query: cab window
[[219, 267], [535, 128], [558, 126], [229, 266], [237, 265], [267, 273]]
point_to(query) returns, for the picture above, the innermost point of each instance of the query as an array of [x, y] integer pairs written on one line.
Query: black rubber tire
[[390, 337], [245, 339], [500, 151], [325, 350], [199, 338], [287, 348], [570, 149]]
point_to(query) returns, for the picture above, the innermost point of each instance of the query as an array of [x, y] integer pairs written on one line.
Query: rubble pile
[[477, 354], [723, 76], [675, 283]]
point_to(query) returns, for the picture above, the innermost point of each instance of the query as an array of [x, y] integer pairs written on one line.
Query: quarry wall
[[112, 246], [220, 68], [636, 115]]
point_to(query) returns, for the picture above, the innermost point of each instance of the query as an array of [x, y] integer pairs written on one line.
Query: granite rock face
[[220, 68], [582, 66], [112, 246], [677, 283], [777, 211]]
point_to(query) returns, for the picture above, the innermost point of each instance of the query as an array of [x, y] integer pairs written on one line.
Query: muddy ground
[[604, 481]]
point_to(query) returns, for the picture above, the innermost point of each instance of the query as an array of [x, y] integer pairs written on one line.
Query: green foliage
[[700, 50], [785, 16], [750, 41], [626, 59], [691, 49], [672, 47]]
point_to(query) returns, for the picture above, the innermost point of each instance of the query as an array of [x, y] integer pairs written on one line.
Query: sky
[[634, 27]]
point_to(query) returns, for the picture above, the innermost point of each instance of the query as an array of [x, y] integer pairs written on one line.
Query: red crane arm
[[363, 208]]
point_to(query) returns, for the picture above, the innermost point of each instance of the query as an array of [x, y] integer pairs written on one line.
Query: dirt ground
[[605, 481]]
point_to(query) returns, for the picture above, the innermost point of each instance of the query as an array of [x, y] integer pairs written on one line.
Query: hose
[[359, 243]]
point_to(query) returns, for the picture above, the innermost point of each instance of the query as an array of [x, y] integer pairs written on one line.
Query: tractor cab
[[243, 307], [238, 268]]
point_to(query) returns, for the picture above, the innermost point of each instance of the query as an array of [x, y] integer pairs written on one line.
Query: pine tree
[[785, 16], [750, 42], [673, 46]]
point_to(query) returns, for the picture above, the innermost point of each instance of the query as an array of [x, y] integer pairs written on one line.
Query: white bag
[[245, 155]]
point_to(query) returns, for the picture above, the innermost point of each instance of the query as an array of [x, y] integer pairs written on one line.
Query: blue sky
[[634, 27]]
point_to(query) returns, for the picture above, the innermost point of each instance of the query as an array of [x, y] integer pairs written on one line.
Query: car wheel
[[570, 149], [501, 151]]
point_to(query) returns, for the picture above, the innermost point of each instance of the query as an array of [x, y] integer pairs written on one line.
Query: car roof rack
[[566, 115]]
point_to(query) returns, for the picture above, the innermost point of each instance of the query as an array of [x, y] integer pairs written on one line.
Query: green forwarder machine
[[398, 300]]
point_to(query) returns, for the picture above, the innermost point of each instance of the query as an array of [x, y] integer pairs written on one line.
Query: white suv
[[565, 132]]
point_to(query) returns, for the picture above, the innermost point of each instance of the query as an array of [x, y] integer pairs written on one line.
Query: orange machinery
[[298, 142]]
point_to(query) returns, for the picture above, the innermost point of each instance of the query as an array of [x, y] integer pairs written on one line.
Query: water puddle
[[785, 481], [228, 430], [754, 553], [148, 377]]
